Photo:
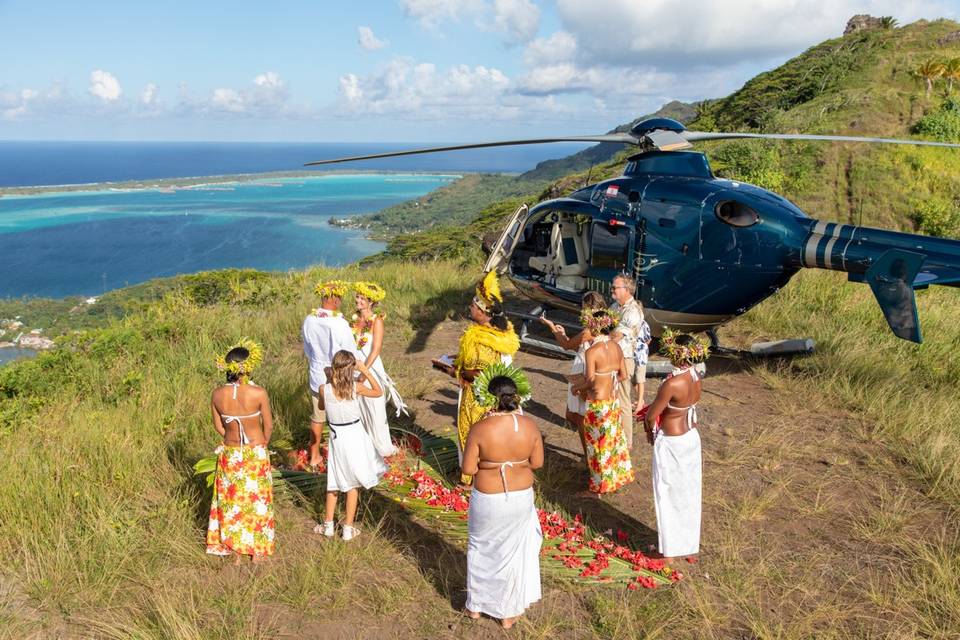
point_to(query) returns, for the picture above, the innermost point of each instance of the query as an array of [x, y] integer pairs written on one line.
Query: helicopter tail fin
[[892, 279]]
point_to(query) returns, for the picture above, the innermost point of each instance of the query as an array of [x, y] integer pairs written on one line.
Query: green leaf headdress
[[480, 385]]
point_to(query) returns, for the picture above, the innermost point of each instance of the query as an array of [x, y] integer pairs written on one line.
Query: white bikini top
[[692, 409], [238, 419], [504, 465]]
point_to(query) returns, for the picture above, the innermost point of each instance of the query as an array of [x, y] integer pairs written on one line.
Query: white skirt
[[677, 491], [503, 553], [352, 460], [373, 411]]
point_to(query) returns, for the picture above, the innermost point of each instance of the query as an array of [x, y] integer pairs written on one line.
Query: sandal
[[349, 533], [326, 529]]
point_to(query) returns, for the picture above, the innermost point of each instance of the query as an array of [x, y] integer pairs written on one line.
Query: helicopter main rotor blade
[[698, 136], [623, 138]]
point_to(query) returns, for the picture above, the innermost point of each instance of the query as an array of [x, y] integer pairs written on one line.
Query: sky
[[389, 70]]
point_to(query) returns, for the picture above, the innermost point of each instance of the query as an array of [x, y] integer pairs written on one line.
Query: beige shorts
[[640, 374], [318, 415]]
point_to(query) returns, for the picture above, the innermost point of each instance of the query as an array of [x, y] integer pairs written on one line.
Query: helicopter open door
[[505, 244]]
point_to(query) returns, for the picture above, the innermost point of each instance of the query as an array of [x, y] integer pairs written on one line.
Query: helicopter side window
[[611, 246]]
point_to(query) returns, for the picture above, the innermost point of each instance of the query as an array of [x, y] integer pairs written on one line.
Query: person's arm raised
[[374, 390]]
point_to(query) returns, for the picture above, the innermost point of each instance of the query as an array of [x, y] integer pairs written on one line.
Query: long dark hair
[[505, 391], [498, 319]]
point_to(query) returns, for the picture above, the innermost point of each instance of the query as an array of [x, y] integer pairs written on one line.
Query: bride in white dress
[[368, 329]]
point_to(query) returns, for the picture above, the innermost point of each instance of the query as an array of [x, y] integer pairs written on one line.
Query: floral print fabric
[[241, 513], [608, 458]]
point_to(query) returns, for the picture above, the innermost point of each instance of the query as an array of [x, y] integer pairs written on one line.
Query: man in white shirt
[[626, 334], [325, 331]]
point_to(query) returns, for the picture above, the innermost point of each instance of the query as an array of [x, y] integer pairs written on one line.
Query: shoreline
[[195, 181]]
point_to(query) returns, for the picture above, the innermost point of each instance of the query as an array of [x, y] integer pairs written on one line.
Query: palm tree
[[930, 71], [888, 22], [951, 71]]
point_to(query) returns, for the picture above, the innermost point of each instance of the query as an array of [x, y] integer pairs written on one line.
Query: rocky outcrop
[[951, 38], [862, 22]]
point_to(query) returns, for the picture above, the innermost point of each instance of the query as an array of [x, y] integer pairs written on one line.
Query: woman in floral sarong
[[241, 513], [608, 458], [489, 339]]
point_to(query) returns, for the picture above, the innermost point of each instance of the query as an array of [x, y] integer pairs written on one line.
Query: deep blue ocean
[[86, 242]]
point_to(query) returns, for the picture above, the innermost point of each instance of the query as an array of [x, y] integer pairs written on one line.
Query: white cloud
[[368, 41], [104, 85], [569, 78], [560, 46], [683, 33], [227, 100], [148, 97], [518, 20], [14, 104], [266, 98], [418, 90], [431, 13], [269, 80]]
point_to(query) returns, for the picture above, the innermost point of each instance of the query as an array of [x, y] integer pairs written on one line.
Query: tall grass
[[102, 523], [908, 395]]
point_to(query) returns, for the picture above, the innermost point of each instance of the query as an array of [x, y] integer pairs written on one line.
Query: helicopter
[[702, 249]]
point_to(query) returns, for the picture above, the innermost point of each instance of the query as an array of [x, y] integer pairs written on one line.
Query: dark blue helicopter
[[703, 249]]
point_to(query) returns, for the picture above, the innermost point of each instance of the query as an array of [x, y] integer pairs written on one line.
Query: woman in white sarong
[[368, 329], [352, 461], [503, 546], [671, 426]]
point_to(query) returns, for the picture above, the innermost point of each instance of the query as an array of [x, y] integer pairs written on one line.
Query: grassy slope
[[102, 520]]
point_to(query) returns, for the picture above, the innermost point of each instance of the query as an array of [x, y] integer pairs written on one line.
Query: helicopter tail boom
[[893, 264]]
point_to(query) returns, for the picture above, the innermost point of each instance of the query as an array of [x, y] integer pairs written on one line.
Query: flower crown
[[370, 290], [245, 367], [480, 385], [332, 289], [598, 320], [693, 353]]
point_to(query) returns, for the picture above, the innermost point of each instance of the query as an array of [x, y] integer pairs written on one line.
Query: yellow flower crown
[[370, 290], [246, 367], [488, 292], [332, 289], [683, 354]]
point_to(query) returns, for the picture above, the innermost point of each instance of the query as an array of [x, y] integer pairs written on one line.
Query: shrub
[[937, 217], [943, 124]]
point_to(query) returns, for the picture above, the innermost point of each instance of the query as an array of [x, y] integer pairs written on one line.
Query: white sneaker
[[349, 533], [328, 529]]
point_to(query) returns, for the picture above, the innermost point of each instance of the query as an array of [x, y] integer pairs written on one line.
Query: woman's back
[[682, 392], [604, 359], [239, 405], [510, 438], [339, 411]]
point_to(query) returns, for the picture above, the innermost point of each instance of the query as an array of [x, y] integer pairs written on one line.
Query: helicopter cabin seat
[[571, 261], [566, 259]]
